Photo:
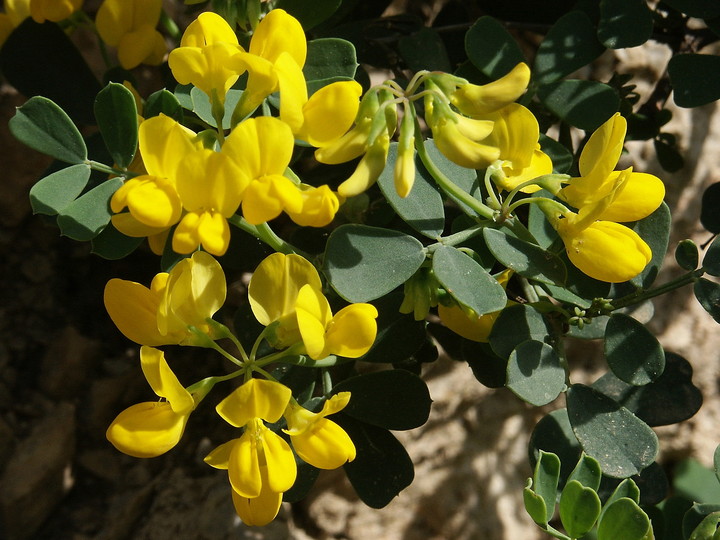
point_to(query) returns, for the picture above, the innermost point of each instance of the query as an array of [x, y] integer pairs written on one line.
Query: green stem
[[96, 166], [448, 185], [294, 350], [459, 237], [266, 234], [670, 286], [209, 343]]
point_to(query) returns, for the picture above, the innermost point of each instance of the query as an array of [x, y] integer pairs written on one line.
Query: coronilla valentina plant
[[432, 211]]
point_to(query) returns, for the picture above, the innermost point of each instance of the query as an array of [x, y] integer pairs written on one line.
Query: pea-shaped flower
[[175, 303], [151, 428], [53, 10], [130, 25], [260, 464], [316, 439]]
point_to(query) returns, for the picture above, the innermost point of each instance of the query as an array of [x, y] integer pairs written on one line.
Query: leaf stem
[[641, 296]]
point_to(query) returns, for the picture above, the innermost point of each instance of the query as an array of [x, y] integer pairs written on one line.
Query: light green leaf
[[623, 444], [545, 482], [45, 127], [56, 191], [624, 520], [203, 108], [626, 489], [535, 505], [515, 324], [467, 282], [587, 472], [633, 353], [364, 263], [707, 529], [84, 218], [579, 508], [534, 373], [116, 115]]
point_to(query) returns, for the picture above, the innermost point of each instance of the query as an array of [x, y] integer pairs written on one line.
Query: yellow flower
[[208, 56], [161, 315], [477, 101], [273, 290], [279, 39], [151, 199], [350, 332], [262, 148], [515, 133], [152, 428], [53, 10], [260, 464], [639, 195], [130, 25], [319, 206], [319, 441], [16, 11], [210, 186]]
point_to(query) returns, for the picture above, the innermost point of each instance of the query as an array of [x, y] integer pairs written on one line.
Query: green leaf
[[328, 58], [423, 209], [708, 294], [310, 14], [382, 467], [707, 528], [655, 230], [687, 255], [709, 215], [84, 218], [488, 368], [716, 462], [625, 489], [515, 324], [467, 282], [545, 482], [580, 103], [535, 505], [622, 443], [569, 45], [203, 108], [670, 399], [534, 373], [587, 472], [668, 155], [45, 127], [624, 23], [579, 508], [624, 520], [695, 482], [116, 116], [56, 191], [528, 260], [364, 263], [694, 517], [393, 399], [111, 244], [424, 50], [711, 260], [491, 48], [163, 102], [695, 79], [633, 353]]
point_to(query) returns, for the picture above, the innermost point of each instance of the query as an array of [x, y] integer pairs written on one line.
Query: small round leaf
[[534, 373], [624, 520], [686, 255], [579, 508], [632, 352]]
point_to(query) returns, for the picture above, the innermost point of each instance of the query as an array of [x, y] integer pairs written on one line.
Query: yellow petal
[[163, 144], [277, 33], [603, 149], [293, 91], [17, 10], [274, 287], [257, 398], [368, 170], [281, 466], [352, 331], [133, 308], [186, 238], [267, 196], [207, 29], [540, 164], [351, 145], [214, 233], [129, 226], [313, 315], [330, 112], [474, 100], [212, 67], [137, 45], [220, 456], [515, 133], [318, 208], [607, 251], [325, 446], [244, 462], [163, 381], [262, 81], [639, 197], [151, 200], [115, 18], [147, 429], [462, 150], [260, 146], [259, 510], [472, 328]]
